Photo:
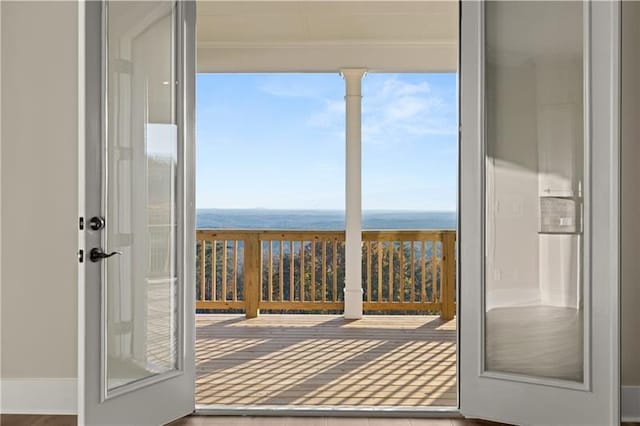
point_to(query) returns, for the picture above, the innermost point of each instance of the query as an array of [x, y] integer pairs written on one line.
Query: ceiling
[[254, 36]]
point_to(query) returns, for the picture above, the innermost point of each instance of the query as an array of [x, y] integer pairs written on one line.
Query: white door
[[539, 209], [136, 354]]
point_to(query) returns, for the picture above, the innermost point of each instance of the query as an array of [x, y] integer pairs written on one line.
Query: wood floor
[[36, 420], [325, 421], [32, 420], [325, 360]]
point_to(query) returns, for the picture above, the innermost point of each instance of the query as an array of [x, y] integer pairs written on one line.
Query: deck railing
[[412, 270]]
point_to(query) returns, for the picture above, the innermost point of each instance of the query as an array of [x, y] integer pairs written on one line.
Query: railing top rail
[[322, 235], [306, 235], [404, 234]]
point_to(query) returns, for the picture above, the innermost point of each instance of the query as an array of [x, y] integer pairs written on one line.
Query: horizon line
[[326, 210]]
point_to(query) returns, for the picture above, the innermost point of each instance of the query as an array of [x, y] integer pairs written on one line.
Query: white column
[[353, 192]]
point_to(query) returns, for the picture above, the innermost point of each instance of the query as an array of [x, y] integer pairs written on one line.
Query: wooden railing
[[304, 271]]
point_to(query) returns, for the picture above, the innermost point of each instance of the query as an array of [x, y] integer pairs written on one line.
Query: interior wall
[[630, 194], [39, 190]]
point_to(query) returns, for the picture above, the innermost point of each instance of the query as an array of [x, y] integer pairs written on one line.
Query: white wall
[[39, 202]]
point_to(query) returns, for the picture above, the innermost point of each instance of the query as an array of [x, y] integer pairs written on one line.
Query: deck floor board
[[325, 360]]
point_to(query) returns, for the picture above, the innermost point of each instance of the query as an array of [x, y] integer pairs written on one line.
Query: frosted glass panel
[[142, 147], [534, 187]]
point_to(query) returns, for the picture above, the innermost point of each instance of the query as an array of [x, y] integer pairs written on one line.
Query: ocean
[[320, 219]]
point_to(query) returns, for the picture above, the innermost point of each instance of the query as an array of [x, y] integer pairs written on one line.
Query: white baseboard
[[38, 396], [59, 396], [631, 403]]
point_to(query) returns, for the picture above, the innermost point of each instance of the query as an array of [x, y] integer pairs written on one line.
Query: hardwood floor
[[36, 420], [325, 421], [31, 420], [325, 360]]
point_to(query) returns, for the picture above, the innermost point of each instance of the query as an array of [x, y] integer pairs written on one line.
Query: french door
[[136, 352], [539, 212]]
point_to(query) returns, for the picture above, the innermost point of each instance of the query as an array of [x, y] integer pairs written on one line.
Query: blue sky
[[277, 141]]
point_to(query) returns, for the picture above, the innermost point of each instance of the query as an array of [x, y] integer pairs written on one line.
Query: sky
[[277, 141]]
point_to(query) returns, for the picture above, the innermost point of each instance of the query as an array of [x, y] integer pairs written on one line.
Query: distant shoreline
[[321, 219]]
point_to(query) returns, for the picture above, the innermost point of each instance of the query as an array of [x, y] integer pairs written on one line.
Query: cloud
[[331, 116], [395, 87], [311, 86], [394, 110]]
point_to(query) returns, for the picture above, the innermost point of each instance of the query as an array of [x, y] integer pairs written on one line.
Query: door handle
[[97, 254]]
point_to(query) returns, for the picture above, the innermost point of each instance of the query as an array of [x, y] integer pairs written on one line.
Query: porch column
[[353, 192]]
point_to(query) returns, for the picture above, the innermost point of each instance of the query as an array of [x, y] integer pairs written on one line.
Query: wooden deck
[[325, 360]]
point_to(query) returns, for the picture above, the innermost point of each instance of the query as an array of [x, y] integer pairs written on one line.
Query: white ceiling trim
[[318, 43], [323, 58]]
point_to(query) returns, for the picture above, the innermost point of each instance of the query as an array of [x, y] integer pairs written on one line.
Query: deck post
[[251, 274], [448, 276], [353, 193]]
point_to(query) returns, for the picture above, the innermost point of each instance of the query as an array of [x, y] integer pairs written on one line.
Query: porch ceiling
[[325, 36]]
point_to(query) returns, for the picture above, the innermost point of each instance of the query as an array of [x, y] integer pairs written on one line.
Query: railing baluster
[[391, 280], [324, 270], [380, 255], [270, 278], [335, 270], [368, 271], [423, 261], [214, 267], [224, 271], [434, 270], [292, 290], [313, 271], [402, 285], [413, 271], [234, 288], [281, 271], [203, 276], [302, 271]]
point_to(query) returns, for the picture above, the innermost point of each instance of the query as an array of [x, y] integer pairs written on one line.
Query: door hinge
[[80, 256]]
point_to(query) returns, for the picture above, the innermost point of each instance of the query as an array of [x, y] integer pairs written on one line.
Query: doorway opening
[[275, 163]]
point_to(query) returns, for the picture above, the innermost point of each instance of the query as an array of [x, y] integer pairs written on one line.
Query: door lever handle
[[97, 254]]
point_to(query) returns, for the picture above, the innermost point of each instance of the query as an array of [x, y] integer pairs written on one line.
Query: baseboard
[[59, 396], [631, 403], [38, 396]]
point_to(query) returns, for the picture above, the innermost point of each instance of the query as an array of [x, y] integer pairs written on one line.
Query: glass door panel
[[535, 189], [140, 310]]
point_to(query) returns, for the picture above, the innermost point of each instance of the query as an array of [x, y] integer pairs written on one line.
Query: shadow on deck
[[325, 360]]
